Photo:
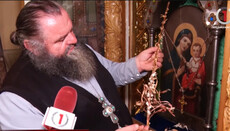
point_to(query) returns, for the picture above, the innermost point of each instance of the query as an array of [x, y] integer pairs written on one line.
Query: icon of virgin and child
[[183, 70]]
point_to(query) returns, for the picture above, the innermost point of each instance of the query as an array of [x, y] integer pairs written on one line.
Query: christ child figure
[[196, 69]]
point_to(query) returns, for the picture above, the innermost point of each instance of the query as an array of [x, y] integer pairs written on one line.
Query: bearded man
[[52, 58]]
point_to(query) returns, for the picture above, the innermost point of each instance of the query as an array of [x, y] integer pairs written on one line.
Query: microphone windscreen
[[66, 99]]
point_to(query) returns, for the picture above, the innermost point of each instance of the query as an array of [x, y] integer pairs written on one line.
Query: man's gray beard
[[79, 64]]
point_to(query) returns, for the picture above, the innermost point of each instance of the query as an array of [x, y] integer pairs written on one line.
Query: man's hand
[[145, 59], [134, 127]]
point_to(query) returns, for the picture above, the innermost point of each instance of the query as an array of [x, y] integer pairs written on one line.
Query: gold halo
[[182, 27], [200, 41]]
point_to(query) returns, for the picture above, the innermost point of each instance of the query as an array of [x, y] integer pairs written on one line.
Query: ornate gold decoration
[[182, 104], [210, 8], [113, 30], [223, 121], [227, 103], [212, 18], [141, 39], [209, 5]]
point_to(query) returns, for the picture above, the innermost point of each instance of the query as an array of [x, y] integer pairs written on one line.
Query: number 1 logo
[[59, 119]]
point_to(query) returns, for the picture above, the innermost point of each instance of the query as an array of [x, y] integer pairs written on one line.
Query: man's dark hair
[[27, 25]]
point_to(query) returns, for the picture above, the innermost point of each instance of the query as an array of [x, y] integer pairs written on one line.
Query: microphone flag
[[60, 116]]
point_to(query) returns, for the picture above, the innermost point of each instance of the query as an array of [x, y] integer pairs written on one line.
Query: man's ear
[[29, 47]]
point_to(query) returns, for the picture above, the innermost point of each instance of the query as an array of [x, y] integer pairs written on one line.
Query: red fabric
[[188, 79]]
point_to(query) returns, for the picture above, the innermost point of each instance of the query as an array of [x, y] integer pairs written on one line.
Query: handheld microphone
[[60, 116], [66, 99]]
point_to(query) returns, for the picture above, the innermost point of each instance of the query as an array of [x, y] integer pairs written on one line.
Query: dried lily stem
[[150, 97]]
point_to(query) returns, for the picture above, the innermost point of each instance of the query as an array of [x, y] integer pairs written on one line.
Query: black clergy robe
[[40, 90]]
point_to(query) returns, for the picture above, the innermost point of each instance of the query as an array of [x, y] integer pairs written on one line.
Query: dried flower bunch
[[150, 97]]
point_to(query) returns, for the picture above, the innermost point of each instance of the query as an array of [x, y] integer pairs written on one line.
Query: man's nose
[[72, 38]]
